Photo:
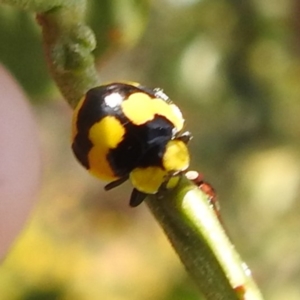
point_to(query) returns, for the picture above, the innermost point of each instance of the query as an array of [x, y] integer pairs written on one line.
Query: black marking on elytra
[[142, 146], [94, 108], [81, 147]]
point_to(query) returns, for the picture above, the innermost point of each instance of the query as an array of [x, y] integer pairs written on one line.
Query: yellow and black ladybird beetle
[[127, 131]]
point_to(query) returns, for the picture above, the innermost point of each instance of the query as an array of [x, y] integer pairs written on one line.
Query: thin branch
[[195, 232]]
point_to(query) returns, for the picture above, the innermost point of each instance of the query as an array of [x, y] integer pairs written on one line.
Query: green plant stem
[[68, 44], [195, 232]]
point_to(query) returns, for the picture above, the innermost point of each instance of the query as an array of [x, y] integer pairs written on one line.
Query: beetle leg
[[116, 183], [136, 198]]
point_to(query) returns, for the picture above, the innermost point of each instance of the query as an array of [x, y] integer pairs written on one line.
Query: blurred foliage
[[234, 69], [116, 23], [21, 50]]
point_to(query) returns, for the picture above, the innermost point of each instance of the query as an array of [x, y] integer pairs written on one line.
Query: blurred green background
[[233, 67]]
